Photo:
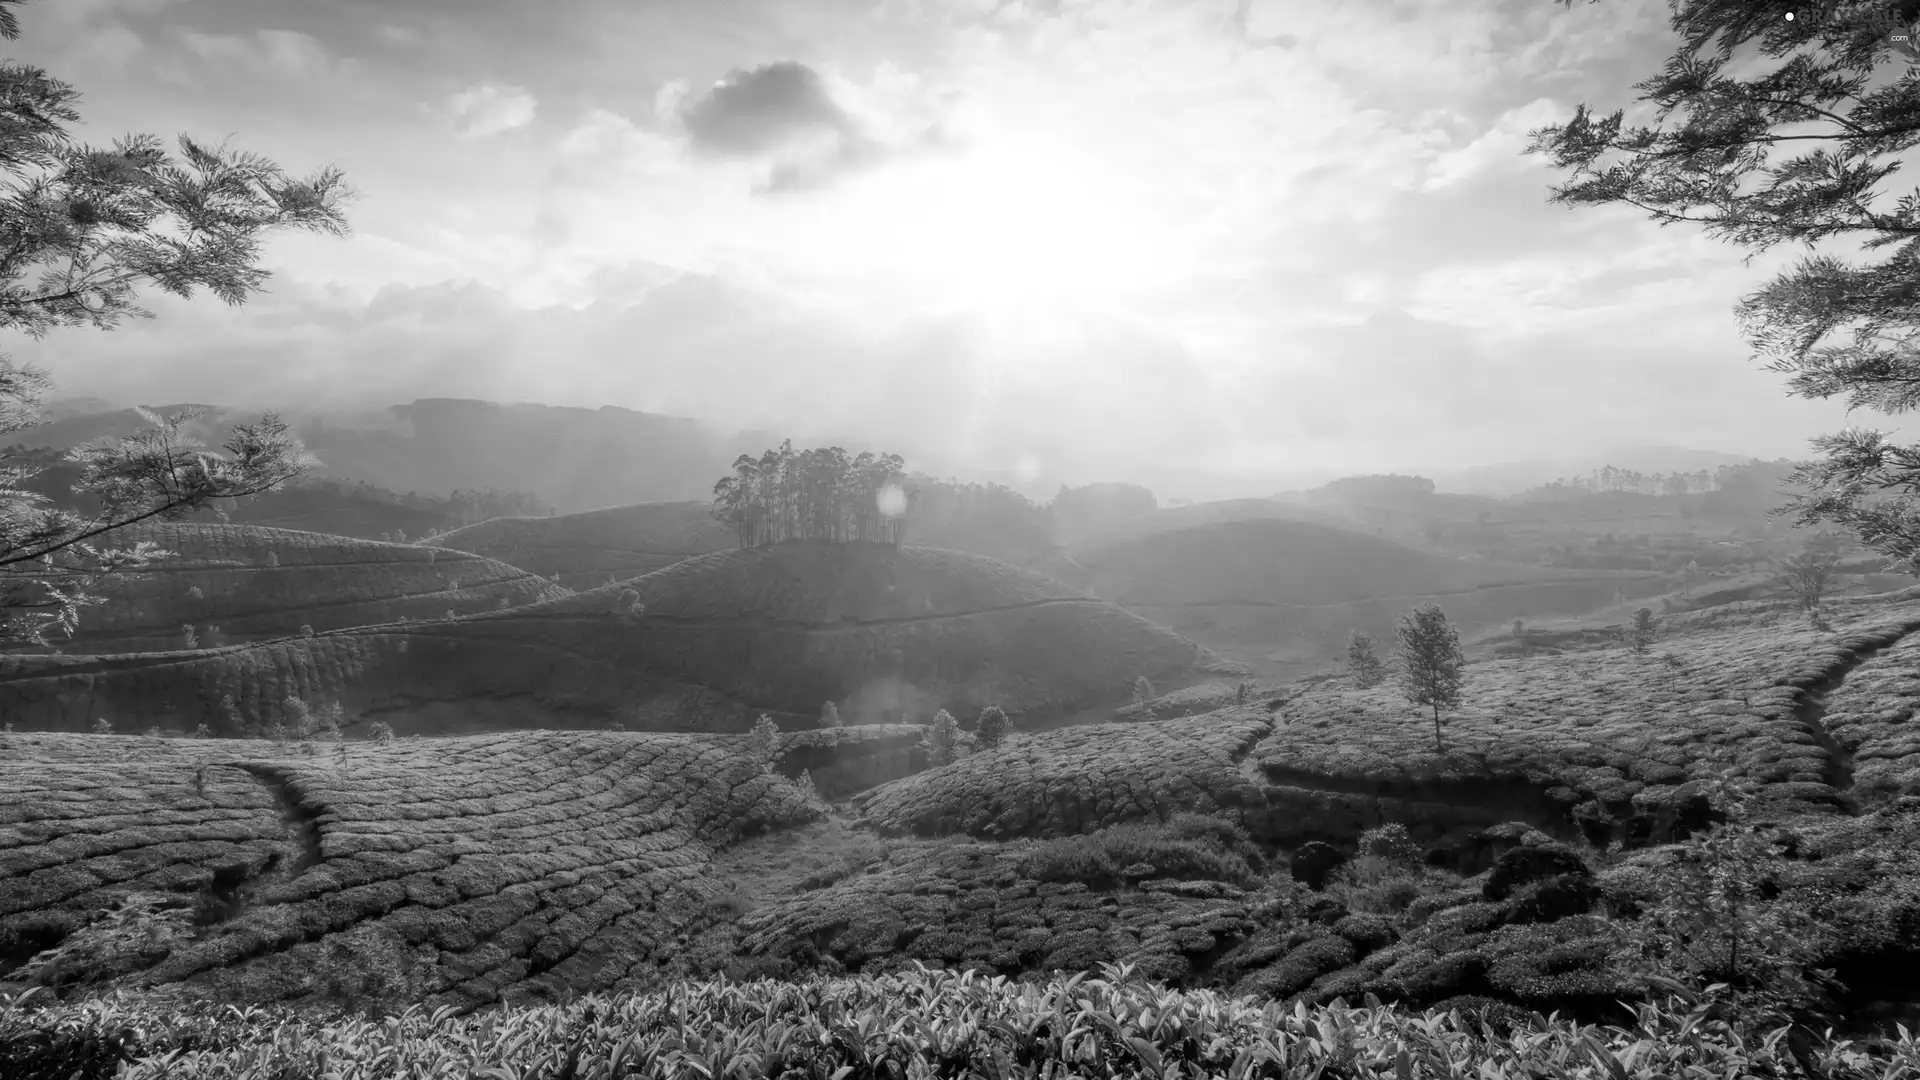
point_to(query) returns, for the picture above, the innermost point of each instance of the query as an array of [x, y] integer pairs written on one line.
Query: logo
[[1900, 30], [1907, 43]]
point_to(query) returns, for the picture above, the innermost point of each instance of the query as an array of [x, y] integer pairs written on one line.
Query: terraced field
[[723, 637], [467, 870], [1291, 591], [452, 871], [1602, 745], [1075, 780], [592, 547], [238, 583]]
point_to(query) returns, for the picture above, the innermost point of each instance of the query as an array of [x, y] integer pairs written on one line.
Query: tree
[[90, 226], [763, 741], [942, 739], [1836, 327], [993, 727], [830, 716], [1431, 664], [787, 495], [1807, 576], [1640, 636], [1362, 663], [1142, 690]]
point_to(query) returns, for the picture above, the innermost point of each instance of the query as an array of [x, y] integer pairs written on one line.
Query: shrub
[[153, 731], [763, 741], [328, 718], [993, 727], [203, 732], [273, 558], [1392, 843], [101, 727], [236, 724], [306, 630], [1525, 865], [830, 716], [1142, 690], [942, 739], [1377, 885], [921, 1022], [380, 732], [194, 593], [1185, 849], [187, 635]]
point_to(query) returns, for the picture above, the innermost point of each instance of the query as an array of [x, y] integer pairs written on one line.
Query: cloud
[[266, 52], [786, 116], [485, 109], [1500, 146], [762, 110]]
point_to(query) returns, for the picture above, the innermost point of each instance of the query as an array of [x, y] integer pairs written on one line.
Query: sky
[[1092, 240]]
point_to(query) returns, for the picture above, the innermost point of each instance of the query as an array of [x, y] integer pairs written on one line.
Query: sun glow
[[1006, 225]]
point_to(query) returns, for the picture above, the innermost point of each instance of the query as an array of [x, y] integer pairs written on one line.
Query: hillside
[[451, 871], [1274, 591], [461, 871], [723, 637], [1171, 518], [593, 547], [239, 583]]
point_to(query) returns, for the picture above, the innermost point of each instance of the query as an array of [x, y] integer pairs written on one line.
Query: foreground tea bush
[[924, 1023]]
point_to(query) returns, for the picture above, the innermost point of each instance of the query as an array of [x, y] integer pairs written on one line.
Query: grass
[[723, 638], [582, 549], [255, 583]]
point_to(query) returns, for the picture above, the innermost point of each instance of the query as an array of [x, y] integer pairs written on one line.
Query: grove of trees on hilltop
[[1790, 144], [818, 494], [1750, 478], [987, 519], [81, 227], [1381, 487]]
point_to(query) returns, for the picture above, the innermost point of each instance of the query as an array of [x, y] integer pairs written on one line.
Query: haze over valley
[[1021, 538]]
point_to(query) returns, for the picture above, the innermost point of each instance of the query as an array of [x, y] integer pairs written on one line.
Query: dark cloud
[[764, 110], [784, 115]]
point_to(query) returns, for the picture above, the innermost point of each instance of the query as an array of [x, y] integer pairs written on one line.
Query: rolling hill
[[723, 637], [1292, 590], [239, 583], [464, 871], [592, 547], [1170, 518]]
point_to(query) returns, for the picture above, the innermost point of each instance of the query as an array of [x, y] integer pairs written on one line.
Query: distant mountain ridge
[[1513, 477], [576, 458]]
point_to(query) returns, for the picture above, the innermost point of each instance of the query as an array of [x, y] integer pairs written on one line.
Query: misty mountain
[[1513, 477], [574, 458]]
